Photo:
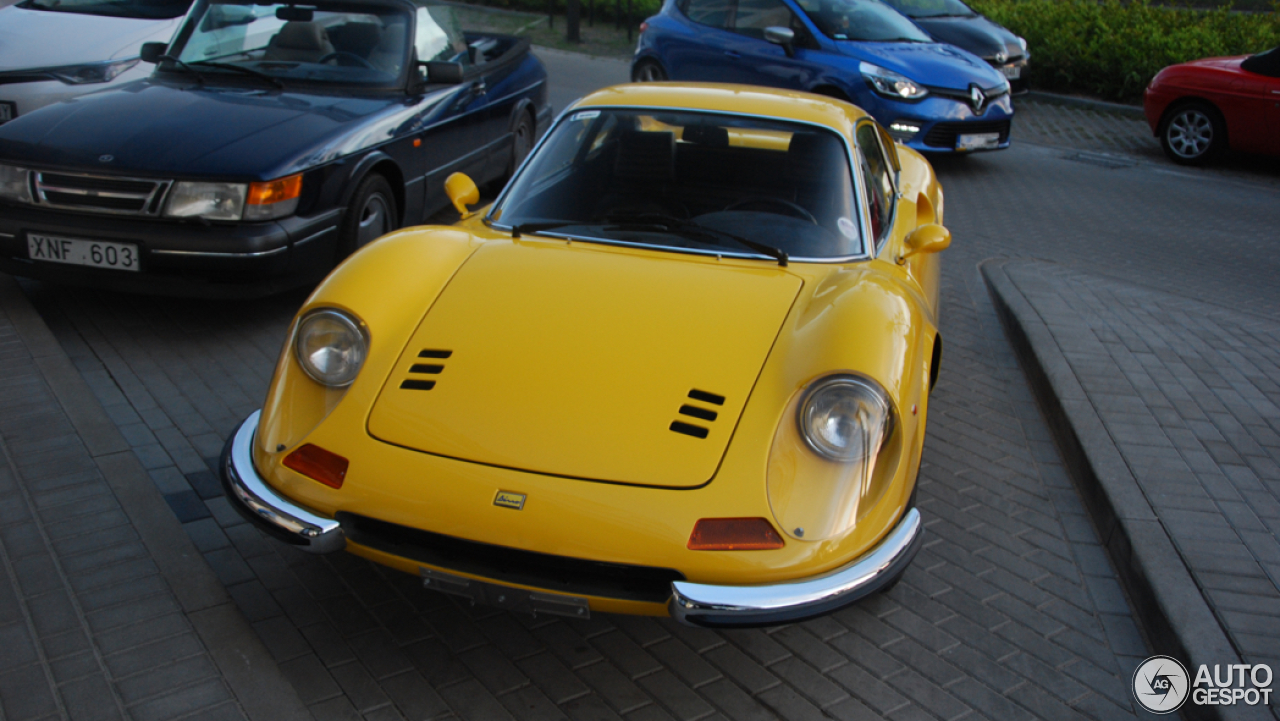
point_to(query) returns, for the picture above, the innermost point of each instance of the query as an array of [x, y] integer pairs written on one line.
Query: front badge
[[507, 499]]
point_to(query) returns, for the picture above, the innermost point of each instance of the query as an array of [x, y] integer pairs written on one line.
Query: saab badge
[[507, 499]]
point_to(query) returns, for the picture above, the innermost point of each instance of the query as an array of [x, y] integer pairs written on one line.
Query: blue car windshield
[[689, 180], [865, 20], [139, 9], [932, 8], [348, 44]]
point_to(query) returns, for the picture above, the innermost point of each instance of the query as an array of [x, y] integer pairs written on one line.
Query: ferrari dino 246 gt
[[681, 365]]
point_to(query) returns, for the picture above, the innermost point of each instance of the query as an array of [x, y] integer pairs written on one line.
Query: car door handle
[[733, 54]]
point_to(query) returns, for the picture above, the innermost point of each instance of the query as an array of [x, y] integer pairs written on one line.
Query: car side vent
[[431, 369], [699, 412]]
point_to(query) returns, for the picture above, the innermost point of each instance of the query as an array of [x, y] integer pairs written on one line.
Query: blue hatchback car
[[931, 96]]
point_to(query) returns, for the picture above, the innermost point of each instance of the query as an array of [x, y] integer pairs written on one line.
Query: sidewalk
[[107, 611], [1169, 412]]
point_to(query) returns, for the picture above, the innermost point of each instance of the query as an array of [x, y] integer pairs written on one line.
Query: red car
[[1200, 108]]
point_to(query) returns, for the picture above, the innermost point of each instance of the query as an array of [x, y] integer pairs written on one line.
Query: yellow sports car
[[681, 365]]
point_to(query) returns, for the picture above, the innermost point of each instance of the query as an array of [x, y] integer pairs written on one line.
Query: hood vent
[[433, 369], [698, 412]]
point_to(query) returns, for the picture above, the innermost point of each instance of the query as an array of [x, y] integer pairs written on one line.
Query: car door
[[701, 53], [756, 61]]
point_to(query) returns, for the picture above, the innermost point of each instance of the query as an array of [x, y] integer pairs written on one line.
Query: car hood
[[976, 34], [576, 360], [154, 128], [934, 64], [48, 39]]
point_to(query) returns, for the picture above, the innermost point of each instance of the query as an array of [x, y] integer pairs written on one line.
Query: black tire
[[1193, 133], [372, 213], [648, 71], [522, 137]]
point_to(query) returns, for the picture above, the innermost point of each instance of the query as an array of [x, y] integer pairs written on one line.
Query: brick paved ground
[[1188, 393], [89, 627]]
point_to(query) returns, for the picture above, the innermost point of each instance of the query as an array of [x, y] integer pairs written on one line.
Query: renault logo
[[977, 99]]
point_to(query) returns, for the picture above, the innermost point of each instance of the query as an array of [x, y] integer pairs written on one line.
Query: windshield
[[140, 9], [717, 183], [340, 44], [932, 8], [868, 20]]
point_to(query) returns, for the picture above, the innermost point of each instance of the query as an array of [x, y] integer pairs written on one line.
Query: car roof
[[728, 98]]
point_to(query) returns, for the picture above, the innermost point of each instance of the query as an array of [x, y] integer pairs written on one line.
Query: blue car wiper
[[247, 71], [184, 66]]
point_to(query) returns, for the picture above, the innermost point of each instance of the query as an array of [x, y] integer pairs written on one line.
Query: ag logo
[[1160, 684]]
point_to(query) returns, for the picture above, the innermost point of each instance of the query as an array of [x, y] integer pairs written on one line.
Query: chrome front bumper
[[698, 604], [262, 506]]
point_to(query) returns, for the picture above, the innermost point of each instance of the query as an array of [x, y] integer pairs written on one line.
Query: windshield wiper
[[692, 231], [184, 66], [535, 228], [247, 71]]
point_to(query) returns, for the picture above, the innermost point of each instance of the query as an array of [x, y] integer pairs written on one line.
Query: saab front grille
[[416, 382], [101, 194], [944, 135], [561, 574], [703, 414]]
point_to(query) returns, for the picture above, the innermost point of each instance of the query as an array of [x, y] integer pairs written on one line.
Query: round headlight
[[331, 347], [845, 418]]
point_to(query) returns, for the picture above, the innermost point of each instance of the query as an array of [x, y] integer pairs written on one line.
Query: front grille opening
[[706, 397], [132, 205], [561, 574], [944, 135], [414, 384], [434, 353], [696, 412], [426, 368], [110, 185], [689, 429]]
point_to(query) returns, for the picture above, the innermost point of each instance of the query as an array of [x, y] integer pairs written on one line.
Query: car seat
[[359, 39], [304, 42]]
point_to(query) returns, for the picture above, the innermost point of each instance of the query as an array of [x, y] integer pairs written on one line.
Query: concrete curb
[[1166, 601], [1089, 103], [248, 668]]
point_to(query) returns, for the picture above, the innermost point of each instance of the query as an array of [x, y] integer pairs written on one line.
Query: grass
[[603, 38]]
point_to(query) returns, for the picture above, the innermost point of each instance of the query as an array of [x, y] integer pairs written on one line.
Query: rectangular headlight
[[14, 184], [212, 201]]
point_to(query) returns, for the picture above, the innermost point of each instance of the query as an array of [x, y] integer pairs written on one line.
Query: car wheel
[[648, 71], [1193, 133], [371, 214], [521, 143]]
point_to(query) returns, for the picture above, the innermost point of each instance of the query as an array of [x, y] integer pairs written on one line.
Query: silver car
[[52, 50]]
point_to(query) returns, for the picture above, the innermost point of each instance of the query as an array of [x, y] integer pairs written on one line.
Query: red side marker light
[[734, 534], [318, 464]]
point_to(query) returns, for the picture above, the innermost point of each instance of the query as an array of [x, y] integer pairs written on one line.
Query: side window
[[877, 180], [753, 16], [708, 12], [438, 37]]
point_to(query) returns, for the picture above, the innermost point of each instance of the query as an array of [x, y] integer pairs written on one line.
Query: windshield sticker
[[585, 115], [847, 228]]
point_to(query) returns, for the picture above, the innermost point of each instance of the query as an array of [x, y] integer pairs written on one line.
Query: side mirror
[[462, 191], [929, 238], [785, 37], [151, 52], [444, 72]]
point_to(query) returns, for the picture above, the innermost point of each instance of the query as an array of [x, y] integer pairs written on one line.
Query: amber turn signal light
[[275, 191], [734, 534], [318, 464]]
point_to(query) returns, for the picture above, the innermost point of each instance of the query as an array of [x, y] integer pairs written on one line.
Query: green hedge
[[605, 9], [1111, 49]]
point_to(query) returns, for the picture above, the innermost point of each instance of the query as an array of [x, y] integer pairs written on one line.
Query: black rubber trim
[[414, 384]]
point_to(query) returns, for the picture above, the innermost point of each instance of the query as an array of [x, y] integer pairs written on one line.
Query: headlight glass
[[833, 457], [846, 419], [14, 184], [212, 201], [1023, 42], [331, 346], [92, 72], [891, 84]]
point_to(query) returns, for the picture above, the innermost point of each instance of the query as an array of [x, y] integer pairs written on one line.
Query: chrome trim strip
[[150, 208], [867, 253], [7, 235], [204, 254], [698, 604], [314, 534]]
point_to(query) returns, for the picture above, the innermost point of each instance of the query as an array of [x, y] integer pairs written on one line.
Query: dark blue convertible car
[[271, 141], [931, 96]]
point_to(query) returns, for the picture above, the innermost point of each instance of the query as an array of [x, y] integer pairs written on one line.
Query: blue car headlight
[[891, 84], [92, 72]]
